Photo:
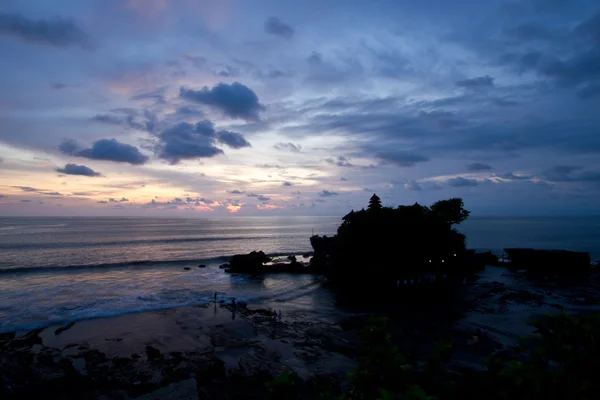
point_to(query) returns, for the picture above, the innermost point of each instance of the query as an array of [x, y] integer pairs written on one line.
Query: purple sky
[[205, 107]]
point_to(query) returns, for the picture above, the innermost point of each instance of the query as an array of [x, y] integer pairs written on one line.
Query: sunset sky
[[259, 107]]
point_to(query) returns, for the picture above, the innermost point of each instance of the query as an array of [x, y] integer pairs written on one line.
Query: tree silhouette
[[374, 203], [379, 248]]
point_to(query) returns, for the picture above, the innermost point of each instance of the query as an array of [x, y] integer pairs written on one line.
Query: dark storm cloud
[[401, 159], [289, 147], [57, 32], [476, 83], [234, 100], [233, 139], [74, 169], [478, 167], [339, 161], [462, 182], [327, 193], [187, 141], [287, 184], [275, 26], [105, 149]]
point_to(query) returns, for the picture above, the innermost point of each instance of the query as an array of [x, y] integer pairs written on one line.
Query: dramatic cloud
[[327, 193], [505, 86], [105, 149], [478, 167], [186, 141], [401, 159], [462, 182], [234, 100], [275, 26], [289, 147], [57, 32], [476, 83], [74, 169], [232, 139]]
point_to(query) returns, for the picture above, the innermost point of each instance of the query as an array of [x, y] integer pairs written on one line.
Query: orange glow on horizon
[[233, 209], [267, 206]]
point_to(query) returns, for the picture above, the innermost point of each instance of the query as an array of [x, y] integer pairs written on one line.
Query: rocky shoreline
[[220, 351]]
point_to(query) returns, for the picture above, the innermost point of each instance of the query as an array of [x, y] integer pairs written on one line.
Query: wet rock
[[64, 328], [202, 266], [152, 353], [251, 262], [187, 268], [184, 390], [7, 336], [29, 339]]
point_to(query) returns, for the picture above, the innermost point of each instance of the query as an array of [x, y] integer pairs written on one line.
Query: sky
[[200, 108]]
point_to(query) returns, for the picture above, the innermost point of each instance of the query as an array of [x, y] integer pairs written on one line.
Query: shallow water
[[55, 270]]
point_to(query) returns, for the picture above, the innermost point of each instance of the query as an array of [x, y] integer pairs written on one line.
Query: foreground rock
[[221, 351]]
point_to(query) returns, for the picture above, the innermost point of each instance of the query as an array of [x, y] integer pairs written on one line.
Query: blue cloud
[[187, 141], [105, 149], [275, 26], [74, 169], [462, 182], [57, 32], [234, 100], [233, 139]]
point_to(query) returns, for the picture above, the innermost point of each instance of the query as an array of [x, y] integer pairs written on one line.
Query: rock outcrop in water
[[550, 261], [258, 262], [377, 247]]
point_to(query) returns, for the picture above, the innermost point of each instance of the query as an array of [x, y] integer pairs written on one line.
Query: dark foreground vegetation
[[559, 361]]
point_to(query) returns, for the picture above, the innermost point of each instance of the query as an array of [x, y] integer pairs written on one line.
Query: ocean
[[57, 270]]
